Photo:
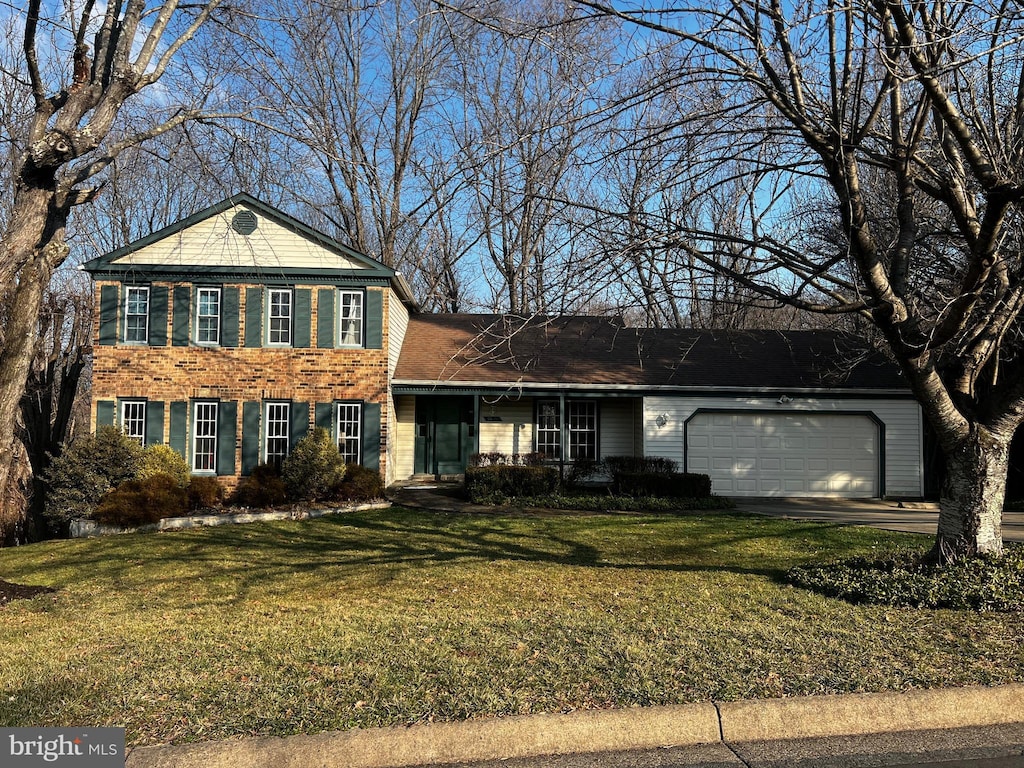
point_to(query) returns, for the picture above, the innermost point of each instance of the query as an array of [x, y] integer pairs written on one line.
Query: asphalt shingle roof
[[485, 349]]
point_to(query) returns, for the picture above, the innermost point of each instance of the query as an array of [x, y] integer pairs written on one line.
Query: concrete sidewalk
[[740, 725]]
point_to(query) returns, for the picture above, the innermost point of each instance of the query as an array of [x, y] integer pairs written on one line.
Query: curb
[[606, 730]]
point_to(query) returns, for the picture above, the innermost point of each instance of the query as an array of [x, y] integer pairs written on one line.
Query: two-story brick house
[[228, 334]]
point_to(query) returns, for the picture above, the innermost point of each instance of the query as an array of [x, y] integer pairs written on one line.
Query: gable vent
[[244, 222]]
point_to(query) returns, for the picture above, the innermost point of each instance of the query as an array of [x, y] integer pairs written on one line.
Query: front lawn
[[394, 616]]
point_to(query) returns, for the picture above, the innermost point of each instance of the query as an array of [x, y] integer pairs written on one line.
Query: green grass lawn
[[393, 616]]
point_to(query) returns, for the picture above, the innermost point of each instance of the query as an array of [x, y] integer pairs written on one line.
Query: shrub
[[138, 502], [498, 459], [315, 467], [360, 484], [487, 485], [686, 485], [583, 471], [86, 470], [263, 488], [658, 465], [164, 460], [204, 492]]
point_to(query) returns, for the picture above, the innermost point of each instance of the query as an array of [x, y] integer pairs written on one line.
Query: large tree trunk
[[973, 493]]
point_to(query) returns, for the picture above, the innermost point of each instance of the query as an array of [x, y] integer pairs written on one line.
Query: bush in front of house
[[314, 469], [263, 488], [164, 460], [360, 484], [496, 459], [500, 482], [677, 485], [204, 492], [86, 470], [657, 465], [140, 502]]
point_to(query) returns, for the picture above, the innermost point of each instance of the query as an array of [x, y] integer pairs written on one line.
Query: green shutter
[[325, 318], [108, 315], [300, 421], [158, 315], [105, 410], [154, 422], [371, 435], [179, 428], [182, 314], [303, 317], [229, 317], [324, 413], [227, 431], [253, 317], [374, 320], [250, 437]]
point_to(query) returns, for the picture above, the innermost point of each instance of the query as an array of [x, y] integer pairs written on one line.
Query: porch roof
[[472, 350]]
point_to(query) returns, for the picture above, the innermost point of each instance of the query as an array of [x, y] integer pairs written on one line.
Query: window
[[276, 433], [582, 428], [208, 316], [204, 437], [279, 317], [136, 315], [549, 430], [350, 332], [349, 420], [133, 420]]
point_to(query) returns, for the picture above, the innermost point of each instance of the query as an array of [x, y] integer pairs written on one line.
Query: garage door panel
[[771, 454]]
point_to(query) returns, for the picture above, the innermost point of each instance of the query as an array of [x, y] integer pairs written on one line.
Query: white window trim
[[556, 430], [195, 436], [125, 405], [358, 344], [359, 427], [266, 427], [128, 291], [570, 430], [291, 316], [220, 311]]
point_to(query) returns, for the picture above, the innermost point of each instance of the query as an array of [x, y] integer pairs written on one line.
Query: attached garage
[[786, 454]]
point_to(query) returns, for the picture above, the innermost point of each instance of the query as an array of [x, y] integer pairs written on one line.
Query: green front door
[[445, 434]]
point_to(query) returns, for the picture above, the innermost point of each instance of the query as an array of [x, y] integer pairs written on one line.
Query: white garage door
[[766, 454]]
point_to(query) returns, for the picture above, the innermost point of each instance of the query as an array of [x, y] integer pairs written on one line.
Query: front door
[[445, 434]]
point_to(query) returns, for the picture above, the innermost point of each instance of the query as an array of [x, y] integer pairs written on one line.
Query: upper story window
[[350, 324], [136, 314], [279, 316], [349, 422], [208, 315], [133, 420]]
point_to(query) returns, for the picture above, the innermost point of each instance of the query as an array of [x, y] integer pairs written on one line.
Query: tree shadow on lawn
[[383, 545]]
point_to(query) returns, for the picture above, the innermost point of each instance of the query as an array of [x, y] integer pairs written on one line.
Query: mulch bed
[[10, 592]]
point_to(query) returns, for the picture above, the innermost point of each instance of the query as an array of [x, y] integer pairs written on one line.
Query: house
[[231, 333]]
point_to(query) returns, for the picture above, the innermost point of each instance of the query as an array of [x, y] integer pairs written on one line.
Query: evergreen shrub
[[139, 502], [314, 469]]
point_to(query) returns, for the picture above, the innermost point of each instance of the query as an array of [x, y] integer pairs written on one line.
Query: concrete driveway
[[912, 516]]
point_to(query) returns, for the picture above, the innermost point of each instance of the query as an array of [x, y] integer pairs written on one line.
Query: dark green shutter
[[182, 314], [227, 431], [229, 317], [105, 410], [250, 437], [179, 428], [108, 315], [371, 435], [300, 422], [374, 320], [253, 317], [158, 315], [325, 318], [154, 422], [303, 317], [324, 413]]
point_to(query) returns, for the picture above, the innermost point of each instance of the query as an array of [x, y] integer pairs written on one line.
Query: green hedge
[[677, 485], [495, 483]]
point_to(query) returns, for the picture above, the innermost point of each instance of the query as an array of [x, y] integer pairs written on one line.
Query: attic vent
[[244, 222]]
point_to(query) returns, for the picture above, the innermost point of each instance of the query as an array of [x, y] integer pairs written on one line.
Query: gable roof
[[600, 353], [242, 236]]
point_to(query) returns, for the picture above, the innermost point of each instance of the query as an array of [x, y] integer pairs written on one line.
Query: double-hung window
[[208, 315], [350, 322], [133, 420], [136, 314], [549, 430], [279, 317], [349, 431], [581, 421], [204, 437], [277, 426]]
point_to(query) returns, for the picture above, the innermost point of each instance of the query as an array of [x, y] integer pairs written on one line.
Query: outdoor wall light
[[662, 420]]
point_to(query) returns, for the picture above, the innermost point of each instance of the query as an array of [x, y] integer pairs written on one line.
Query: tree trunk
[[971, 503]]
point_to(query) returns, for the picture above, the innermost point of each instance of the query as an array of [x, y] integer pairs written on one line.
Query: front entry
[[445, 435]]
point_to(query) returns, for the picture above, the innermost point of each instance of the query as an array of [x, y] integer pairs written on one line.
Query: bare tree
[[905, 121], [83, 71]]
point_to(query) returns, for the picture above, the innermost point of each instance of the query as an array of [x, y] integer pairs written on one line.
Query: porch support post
[[562, 435], [476, 425]]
